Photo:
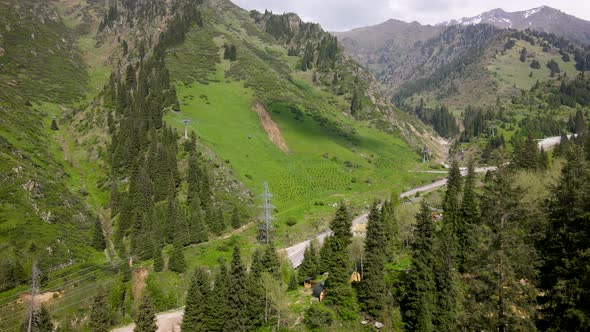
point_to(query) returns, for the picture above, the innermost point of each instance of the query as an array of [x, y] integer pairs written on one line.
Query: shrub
[[318, 316]]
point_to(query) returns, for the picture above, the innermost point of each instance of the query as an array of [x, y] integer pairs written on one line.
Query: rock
[[378, 325], [364, 322]]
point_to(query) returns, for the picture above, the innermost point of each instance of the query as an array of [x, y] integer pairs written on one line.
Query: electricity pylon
[[267, 218]]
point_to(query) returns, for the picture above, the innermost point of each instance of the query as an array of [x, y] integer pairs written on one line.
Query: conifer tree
[[146, 316], [292, 282], [418, 304], [355, 103], [99, 314], [471, 218], [195, 309], [158, 259], [391, 230], [237, 315], [218, 305], [371, 290], [42, 320], [235, 218], [54, 124], [98, 240], [454, 225], [177, 263], [338, 291], [565, 249], [309, 266]]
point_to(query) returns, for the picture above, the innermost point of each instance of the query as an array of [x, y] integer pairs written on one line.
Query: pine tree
[[471, 218], [309, 266], [355, 103], [371, 290], [499, 299], [237, 315], [565, 249], [146, 316], [177, 263], [54, 124], [391, 230], [99, 315], [338, 291], [418, 304], [292, 282], [235, 218], [218, 305], [195, 309], [158, 259], [98, 240], [454, 225], [42, 320]]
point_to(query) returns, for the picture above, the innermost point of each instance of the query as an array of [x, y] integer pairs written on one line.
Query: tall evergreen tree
[[42, 320], [371, 290], [309, 266], [177, 263], [98, 240], [471, 218], [146, 315], [100, 320], [237, 316], [218, 305], [158, 259], [338, 291], [195, 309], [418, 304], [566, 249], [235, 218]]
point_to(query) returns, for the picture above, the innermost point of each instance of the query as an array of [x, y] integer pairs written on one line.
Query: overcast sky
[[339, 15]]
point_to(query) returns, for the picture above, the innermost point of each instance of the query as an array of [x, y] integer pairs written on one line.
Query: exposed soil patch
[[40, 298], [271, 127], [139, 276]]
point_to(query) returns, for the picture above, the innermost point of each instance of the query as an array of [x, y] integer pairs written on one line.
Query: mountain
[[544, 18], [98, 174]]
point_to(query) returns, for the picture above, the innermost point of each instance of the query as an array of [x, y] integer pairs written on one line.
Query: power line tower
[[186, 122], [267, 218], [34, 289]]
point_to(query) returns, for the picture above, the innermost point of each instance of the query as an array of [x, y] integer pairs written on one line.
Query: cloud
[[347, 14]]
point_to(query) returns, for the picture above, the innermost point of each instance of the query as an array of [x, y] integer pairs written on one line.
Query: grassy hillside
[[330, 156]]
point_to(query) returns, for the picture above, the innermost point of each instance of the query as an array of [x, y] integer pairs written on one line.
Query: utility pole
[[267, 218], [34, 289], [186, 122]]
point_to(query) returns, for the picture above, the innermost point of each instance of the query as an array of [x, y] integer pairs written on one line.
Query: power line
[[267, 218]]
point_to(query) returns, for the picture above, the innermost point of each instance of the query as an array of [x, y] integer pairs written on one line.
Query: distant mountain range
[[544, 18]]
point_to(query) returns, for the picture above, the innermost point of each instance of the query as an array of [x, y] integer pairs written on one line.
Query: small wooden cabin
[[319, 291]]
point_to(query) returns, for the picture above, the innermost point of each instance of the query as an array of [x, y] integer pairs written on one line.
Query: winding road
[[170, 321]]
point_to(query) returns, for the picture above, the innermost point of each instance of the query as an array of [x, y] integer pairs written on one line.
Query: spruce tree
[[98, 240], [371, 290], [391, 230], [470, 216], [454, 225], [565, 249], [309, 265], [195, 309], [338, 291], [158, 259], [418, 304], [146, 315], [292, 282], [218, 305], [177, 263], [99, 314], [235, 218], [42, 320], [237, 314]]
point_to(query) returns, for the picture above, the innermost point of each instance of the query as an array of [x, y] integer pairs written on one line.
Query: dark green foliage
[[499, 299], [177, 263], [158, 259], [292, 282], [355, 104], [125, 271], [371, 290], [98, 240], [42, 320], [100, 320], [553, 66], [526, 155], [419, 303], [309, 266], [580, 127], [54, 124], [237, 311], [197, 297], [230, 52], [470, 216], [11, 273], [318, 316], [327, 52], [146, 315], [443, 122], [392, 233], [235, 218], [308, 56], [509, 44], [523, 54], [535, 64], [566, 249]]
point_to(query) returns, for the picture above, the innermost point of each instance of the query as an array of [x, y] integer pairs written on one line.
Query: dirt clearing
[[271, 127]]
